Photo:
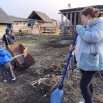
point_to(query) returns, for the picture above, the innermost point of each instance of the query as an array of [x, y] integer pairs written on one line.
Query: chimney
[[69, 5]]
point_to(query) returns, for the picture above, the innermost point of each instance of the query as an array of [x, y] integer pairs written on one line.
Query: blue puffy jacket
[[5, 56], [90, 55]]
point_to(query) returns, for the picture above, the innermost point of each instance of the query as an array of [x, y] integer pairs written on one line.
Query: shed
[[45, 24], [73, 15], [5, 21], [39, 16]]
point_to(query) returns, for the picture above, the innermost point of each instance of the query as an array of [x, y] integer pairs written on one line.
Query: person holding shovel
[[8, 37], [5, 64], [89, 49]]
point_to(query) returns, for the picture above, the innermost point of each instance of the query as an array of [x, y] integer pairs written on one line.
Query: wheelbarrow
[[21, 61]]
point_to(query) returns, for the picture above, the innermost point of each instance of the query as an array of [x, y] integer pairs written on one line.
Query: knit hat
[[8, 30]]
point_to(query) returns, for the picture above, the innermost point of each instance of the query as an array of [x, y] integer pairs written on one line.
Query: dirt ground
[[36, 83]]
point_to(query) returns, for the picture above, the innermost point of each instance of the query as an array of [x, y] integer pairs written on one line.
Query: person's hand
[[71, 48], [12, 34], [80, 30]]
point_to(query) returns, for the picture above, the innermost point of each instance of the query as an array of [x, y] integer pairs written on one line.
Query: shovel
[[57, 94]]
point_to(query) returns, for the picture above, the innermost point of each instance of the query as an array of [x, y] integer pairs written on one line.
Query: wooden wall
[[2, 29], [19, 25], [51, 27]]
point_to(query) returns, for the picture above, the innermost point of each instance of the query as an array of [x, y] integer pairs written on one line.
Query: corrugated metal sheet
[[4, 18], [39, 16]]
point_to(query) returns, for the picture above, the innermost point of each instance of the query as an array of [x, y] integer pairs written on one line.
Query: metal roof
[[4, 18], [14, 19], [39, 16], [100, 7]]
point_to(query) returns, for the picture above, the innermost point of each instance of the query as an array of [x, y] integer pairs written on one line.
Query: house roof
[[4, 18], [100, 7], [14, 19], [53, 20], [39, 16]]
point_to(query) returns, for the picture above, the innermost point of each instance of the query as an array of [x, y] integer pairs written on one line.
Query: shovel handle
[[17, 56], [68, 61]]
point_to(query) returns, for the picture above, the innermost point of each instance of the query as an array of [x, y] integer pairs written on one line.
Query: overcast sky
[[23, 8]]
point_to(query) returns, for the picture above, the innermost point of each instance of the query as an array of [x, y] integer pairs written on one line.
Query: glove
[[80, 30]]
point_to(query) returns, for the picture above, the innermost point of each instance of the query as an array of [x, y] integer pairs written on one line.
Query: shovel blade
[[57, 96]]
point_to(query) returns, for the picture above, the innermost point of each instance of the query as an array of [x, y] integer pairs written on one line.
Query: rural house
[[45, 24], [5, 22], [19, 23]]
